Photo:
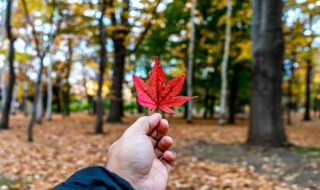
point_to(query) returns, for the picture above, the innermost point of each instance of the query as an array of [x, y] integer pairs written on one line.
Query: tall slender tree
[[224, 65], [102, 65], [51, 49], [266, 123], [309, 71], [40, 55], [191, 60], [66, 85], [3, 68], [4, 123]]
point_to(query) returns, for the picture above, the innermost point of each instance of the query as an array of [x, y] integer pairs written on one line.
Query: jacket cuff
[[95, 177]]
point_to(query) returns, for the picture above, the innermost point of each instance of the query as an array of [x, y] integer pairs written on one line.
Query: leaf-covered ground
[[209, 156]]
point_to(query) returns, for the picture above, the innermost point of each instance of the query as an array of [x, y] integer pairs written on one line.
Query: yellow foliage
[[92, 87], [245, 53], [91, 63]]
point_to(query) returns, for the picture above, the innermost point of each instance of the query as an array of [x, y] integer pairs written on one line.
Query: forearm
[[94, 178]]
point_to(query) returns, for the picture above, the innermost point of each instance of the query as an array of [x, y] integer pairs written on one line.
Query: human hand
[[141, 155]]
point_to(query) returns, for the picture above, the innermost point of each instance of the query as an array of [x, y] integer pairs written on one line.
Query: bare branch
[[146, 29], [34, 33]]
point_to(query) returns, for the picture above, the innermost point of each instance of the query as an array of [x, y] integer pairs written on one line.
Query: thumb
[[145, 124]]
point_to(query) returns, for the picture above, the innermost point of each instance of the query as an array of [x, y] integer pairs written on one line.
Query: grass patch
[[314, 151], [10, 184]]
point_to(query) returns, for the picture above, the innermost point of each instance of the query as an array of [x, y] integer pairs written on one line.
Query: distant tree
[[66, 87], [120, 34], [3, 68], [53, 34], [266, 124], [41, 49], [309, 71], [191, 60], [102, 65], [4, 123], [224, 65]]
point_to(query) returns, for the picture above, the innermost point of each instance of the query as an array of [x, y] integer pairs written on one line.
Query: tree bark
[[211, 106], [224, 65], [3, 86], [190, 61], [39, 110], [206, 103], [51, 52], [56, 91], [40, 54], [66, 91], [4, 123], [14, 100], [118, 37], [49, 90], [102, 65], [116, 105], [308, 74], [232, 97], [35, 102], [25, 98], [266, 124], [308, 90]]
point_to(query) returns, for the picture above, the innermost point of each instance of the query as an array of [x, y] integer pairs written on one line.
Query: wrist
[[121, 174]]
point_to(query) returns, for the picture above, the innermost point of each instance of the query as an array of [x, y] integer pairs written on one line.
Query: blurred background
[[66, 73]]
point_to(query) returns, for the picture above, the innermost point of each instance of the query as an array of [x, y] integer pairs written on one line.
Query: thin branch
[[112, 14], [34, 33], [146, 29]]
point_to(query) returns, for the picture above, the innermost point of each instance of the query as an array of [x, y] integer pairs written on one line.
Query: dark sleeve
[[94, 178]]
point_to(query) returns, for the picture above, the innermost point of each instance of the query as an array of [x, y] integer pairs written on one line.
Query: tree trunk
[[25, 98], [14, 100], [224, 65], [39, 110], [233, 96], [211, 106], [51, 52], [56, 92], [35, 102], [266, 125], [3, 86], [206, 104], [308, 90], [308, 74], [4, 123], [118, 37], [116, 105], [190, 61], [102, 65], [66, 92], [49, 89]]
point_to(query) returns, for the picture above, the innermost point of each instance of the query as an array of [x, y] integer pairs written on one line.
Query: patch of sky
[[19, 45]]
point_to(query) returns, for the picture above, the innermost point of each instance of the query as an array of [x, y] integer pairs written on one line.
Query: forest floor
[[209, 156]]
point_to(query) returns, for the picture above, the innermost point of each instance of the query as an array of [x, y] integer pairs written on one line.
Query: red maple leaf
[[159, 94]]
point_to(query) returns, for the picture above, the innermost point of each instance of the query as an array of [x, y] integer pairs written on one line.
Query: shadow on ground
[[294, 165]]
